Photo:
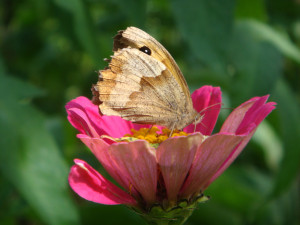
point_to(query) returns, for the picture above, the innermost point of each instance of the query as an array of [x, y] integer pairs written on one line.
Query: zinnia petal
[[247, 115], [207, 99], [77, 115], [89, 184], [101, 150], [175, 157], [136, 161], [208, 159], [244, 120], [84, 116]]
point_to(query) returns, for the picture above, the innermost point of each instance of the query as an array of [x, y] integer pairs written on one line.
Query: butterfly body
[[143, 84]]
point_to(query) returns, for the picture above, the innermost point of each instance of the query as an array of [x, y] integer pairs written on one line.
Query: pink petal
[[244, 120], [92, 186], [175, 157], [206, 100], [232, 156], [85, 117], [136, 161], [208, 159], [101, 150], [247, 115], [78, 117]]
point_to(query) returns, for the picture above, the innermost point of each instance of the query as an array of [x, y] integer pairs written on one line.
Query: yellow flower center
[[153, 135]]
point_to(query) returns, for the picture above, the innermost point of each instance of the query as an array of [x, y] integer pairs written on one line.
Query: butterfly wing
[[144, 88], [139, 88], [136, 38]]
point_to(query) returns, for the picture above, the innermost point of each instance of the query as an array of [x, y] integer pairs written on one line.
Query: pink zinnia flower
[[174, 172]]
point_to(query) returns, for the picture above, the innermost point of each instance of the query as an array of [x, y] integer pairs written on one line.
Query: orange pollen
[[153, 135], [130, 189]]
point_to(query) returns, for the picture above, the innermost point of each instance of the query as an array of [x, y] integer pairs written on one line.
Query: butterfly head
[[198, 118]]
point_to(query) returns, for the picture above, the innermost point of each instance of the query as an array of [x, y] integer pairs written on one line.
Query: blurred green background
[[49, 52]]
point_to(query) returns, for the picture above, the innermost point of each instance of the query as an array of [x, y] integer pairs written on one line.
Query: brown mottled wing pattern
[[142, 88], [136, 38]]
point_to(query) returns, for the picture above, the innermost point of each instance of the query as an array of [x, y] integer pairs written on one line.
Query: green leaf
[[237, 194], [282, 210], [18, 90], [110, 215], [240, 188], [136, 11], [206, 26], [288, 112], [2, 68], [83, 26], [255, 66], [263, 32], [270, 143], [30, 158], [251, 9]]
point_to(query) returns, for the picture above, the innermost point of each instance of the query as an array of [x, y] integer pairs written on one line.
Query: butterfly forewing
[[144, 87], [136, 38]]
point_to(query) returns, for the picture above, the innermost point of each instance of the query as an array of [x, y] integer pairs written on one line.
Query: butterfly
[[143, 84]]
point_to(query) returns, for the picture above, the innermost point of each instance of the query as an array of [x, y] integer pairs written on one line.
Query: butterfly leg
[[149, 129], [172, 130]]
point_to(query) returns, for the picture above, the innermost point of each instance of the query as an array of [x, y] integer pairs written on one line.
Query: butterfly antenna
[[219, 103], [200, 117], [196, 123]]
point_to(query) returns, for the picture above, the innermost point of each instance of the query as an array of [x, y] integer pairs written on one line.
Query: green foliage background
[[49, 52]]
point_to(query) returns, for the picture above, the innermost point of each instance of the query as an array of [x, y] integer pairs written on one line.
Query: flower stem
[[176, 215], [178, 220]]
